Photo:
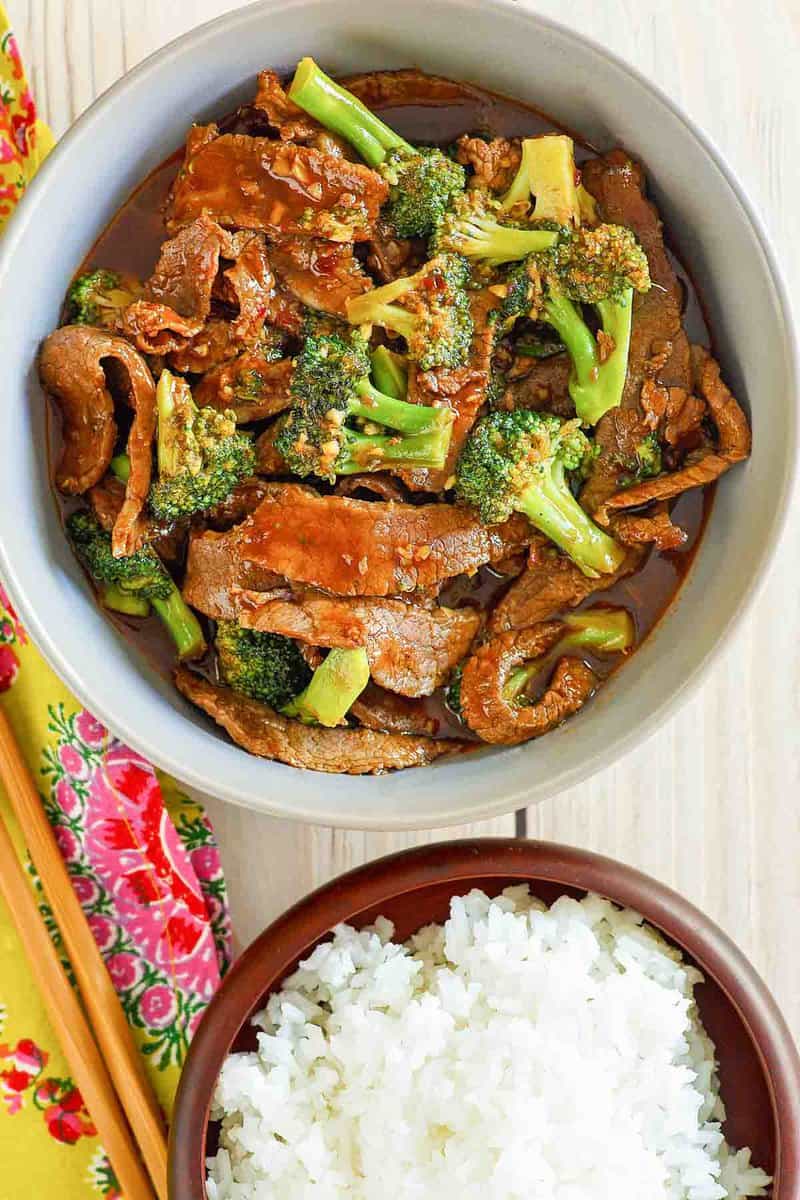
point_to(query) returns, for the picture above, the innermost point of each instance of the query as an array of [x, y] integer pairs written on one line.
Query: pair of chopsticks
[[102, 1057]]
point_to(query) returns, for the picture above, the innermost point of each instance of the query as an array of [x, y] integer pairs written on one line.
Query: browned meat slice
[[107, 498], [361, 548], [292, 124], [702, 466], [269, 460], [541, 384], [639, 530], [266, 733], [243, 500], [322, 275], [379, 709], [499, 720], [250, 284], [411, 650], [673, 413], [80, 367], [177, 296], [213, 573], [551, 584], [494, 163], [213, 345], [390, 257], [384, 89], [464, 389], [250, 385], [378, 483], [254, 183], [659, 349]]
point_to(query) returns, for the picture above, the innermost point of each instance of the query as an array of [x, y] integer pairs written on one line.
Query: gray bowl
[[142, 119]]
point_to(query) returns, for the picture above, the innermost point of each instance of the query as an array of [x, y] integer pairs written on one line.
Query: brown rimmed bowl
[[759, 1064]]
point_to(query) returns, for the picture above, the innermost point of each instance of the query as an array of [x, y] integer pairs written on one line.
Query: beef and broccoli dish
[[388, 422]]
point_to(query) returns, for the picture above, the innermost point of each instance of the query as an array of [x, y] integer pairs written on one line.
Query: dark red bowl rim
[[307, 922]]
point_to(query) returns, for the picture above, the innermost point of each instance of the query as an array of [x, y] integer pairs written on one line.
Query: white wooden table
[[711, 804]]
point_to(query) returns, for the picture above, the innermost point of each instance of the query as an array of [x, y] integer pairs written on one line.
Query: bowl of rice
[[490, 1019]]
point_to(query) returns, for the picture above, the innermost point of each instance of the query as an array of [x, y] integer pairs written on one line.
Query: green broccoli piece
[[422, 180], [519, 462], [599, 630], [603, 263], [141, 575], [335, 685], [98, 298], [471, 227], [264, 666], [340, 424], [390, 372], [429, 309], [520, 295], [201, 456], [546, 176], [645, 463], [128, 603], [452, 694]]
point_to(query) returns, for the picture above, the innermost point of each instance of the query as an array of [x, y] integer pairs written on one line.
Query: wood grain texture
[[711, 804]]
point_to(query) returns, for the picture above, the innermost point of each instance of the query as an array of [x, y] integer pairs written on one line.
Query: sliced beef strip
[[376, 708], [243, 500], [494, 718], [551, 584], [249, 385], [494, 163], [702, 466], [384, 89], [377, 483], [463, 388], [279, 188], [673, 413], [390, 257], [292, 124], [659, 349], [80, 366], [213, 574], [250, 284], [107, 498], [267, 734], [411, 650], [541, 384], [635, 529], [323, 275], [356, 547], [212, 346]]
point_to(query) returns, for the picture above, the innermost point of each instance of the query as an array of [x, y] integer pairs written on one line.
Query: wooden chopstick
[[69, 1023], [101, 1002]]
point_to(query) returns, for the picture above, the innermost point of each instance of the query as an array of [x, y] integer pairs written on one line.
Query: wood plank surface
[[711, 804]]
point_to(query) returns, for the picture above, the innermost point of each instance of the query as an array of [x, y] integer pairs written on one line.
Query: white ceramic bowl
[[142, 119]]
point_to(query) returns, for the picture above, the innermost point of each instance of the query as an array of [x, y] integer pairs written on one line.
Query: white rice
[[515, 1052]]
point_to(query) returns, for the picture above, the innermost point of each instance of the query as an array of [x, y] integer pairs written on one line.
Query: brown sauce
[[131, 243]]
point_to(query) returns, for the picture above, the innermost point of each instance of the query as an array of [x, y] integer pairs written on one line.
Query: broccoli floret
[[520, 295], [546, 176], [598, 264], [422, 181], [340, 424], [390, 372], [472, 227], [98, 298], [518, 462], [600, 630], [264, 666], [429, 309], [141, 575], [645, 463], [201, 457], [335, 685]]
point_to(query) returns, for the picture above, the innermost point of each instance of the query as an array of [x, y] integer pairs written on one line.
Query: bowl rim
[[189, 769], [344, 898]]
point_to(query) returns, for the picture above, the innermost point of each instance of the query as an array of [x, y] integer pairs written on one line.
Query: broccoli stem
[[603, 630], [335, 686], [341, 112], [500, 243], [182, 625], [370, 452], [166, 400], [128, 603], [390, 372], [551, 507], [397, 414], [595, 386]]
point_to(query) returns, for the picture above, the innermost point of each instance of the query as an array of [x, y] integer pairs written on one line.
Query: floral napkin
[[141, 855]]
